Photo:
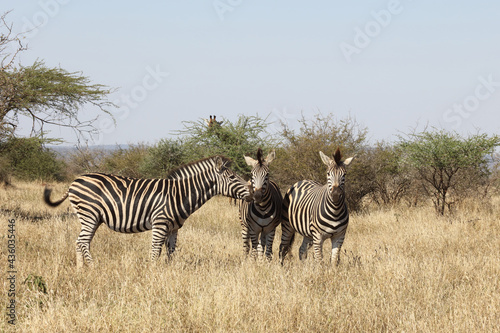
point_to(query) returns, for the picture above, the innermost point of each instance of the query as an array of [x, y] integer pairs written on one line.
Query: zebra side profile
[[317, 212], [261, 216], [131, 205]]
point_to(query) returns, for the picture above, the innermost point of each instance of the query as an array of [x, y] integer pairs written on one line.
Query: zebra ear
[[270, 157], [219, 163], [250, 161], [327, 160], [348, 161]]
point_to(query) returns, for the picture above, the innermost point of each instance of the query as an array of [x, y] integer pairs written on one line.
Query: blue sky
[[392, 65]]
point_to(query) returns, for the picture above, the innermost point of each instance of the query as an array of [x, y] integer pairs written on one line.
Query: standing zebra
[[317, 212], [262, 215], [131, 205]]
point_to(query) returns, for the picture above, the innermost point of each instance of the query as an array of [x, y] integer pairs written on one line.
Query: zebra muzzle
[[336, 192], [257, 195]]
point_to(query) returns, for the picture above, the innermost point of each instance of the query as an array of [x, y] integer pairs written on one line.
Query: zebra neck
[[266, 198], [333, 206], [193, 192]]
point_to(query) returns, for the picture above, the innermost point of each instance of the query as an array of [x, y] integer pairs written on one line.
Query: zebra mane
[[259, 156], [338, 156], [181, 170]]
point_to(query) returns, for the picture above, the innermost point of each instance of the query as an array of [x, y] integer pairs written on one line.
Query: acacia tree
[[47, 96], [449, 166], [202, 138]]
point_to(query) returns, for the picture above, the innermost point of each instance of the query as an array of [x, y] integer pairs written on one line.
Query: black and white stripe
[[317, 212], [131, 205], [260, 217]]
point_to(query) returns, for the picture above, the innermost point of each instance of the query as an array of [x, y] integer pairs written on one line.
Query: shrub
[[298, 158], [125, 161], [391, 177], [166, 155], [29, 159], [86, 159]]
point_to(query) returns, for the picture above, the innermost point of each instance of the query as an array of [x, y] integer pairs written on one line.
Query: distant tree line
[[435, 166]]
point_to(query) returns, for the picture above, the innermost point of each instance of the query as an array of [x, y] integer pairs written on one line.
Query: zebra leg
[[246, 239], [260, 248], [256, 247], [160, 231], [336, 245], [83, 242], [318, 249], [79, 256], [269, 239], [287, 238], [261, 245], [306, 245], [170, 243]]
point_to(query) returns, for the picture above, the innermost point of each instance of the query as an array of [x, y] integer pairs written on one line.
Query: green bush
[[5, 172], [125, 161], [29, 159], [166, 155]]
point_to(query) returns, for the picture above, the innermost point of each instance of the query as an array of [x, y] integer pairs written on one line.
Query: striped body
[[317, 212], [131, 205], [126, 205], [261, 219]]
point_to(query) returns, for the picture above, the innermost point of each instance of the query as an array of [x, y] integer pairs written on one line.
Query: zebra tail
[[46, 198]]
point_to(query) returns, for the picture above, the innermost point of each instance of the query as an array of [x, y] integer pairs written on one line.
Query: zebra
[[263, 214], [317, 211], [132, 205]]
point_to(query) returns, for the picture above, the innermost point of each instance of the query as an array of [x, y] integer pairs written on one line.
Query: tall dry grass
[[401, 270]]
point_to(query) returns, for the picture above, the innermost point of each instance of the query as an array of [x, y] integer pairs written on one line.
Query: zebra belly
[[135, 227]]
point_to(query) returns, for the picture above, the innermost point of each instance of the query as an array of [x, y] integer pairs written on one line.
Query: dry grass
[[401, 270]]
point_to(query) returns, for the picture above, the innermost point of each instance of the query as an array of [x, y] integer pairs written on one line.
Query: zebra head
[[260, 173], [336, 174], [229, 183]]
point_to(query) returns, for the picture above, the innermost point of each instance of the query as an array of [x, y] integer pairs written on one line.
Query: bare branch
[[6, 41]]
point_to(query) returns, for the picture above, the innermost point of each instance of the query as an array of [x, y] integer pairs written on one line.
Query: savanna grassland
[[402, 270]]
